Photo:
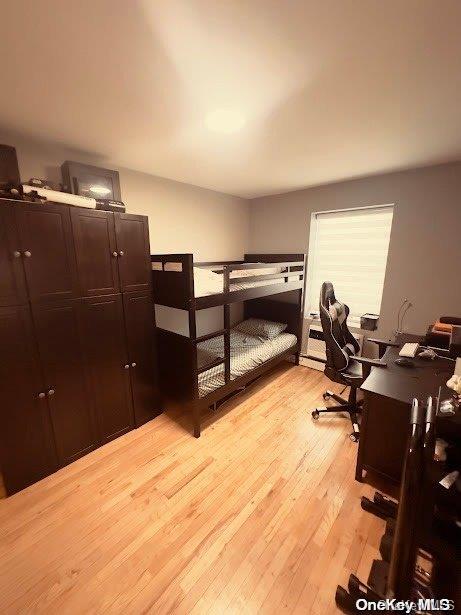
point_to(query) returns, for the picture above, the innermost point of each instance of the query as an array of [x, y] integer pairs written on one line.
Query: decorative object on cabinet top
[[90, 181]]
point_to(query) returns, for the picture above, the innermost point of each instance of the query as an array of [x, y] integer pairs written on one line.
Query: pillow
[[265, 329], [244, 273], [207, 282]]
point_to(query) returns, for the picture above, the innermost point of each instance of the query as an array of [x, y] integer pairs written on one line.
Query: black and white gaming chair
[[342, 363]]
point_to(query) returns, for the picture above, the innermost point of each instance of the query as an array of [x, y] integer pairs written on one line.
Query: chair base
[[351, 406]]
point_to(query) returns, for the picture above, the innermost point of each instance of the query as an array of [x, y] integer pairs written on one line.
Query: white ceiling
[[327, 89]]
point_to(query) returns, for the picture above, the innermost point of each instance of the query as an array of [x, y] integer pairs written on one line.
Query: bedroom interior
[[228, 231]]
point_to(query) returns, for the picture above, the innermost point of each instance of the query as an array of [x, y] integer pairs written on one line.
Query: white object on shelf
[[458, 367], [409, 350], [61, 197]]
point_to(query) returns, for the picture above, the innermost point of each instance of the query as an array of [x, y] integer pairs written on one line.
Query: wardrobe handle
[[41, 395], [115, 254], [121, 253], [133, 365], [27, 253], [127, 366], [17, 254], [51, 392]]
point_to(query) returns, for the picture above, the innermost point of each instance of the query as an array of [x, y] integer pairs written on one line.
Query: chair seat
[[353, 374]]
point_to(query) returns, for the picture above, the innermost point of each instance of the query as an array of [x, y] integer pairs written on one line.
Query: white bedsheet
[[208, 282]]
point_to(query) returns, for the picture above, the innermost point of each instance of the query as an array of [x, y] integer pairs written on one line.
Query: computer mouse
[[404, 362]]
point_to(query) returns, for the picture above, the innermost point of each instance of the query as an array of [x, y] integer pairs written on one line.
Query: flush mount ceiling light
[[100, 190], [225, 121]]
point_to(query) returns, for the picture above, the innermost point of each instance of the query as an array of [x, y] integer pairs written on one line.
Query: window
[[349, 248]]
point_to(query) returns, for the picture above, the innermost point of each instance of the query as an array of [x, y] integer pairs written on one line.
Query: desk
[[388, 393]]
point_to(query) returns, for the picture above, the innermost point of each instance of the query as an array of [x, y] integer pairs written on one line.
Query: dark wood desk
[[388, 393]]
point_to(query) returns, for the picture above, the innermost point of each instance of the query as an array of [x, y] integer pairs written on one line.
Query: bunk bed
[[200, 371]]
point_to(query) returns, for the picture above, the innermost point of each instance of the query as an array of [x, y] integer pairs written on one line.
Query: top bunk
[[180, 282]]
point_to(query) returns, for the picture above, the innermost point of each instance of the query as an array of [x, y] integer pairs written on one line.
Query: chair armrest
[[382, 345], [370, 362], [375, 340], [367, 364]]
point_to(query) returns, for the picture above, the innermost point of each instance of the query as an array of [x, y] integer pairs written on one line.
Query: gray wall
[[182, 218], [425, 247]]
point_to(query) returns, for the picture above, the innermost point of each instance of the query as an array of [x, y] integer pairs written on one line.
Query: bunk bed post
[[196, 417], [227, 343], [302, 301], [196, 411], [191, 296], [226, 308]]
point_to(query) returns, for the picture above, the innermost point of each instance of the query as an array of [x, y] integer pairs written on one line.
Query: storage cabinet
[[47, 251], [108, 367], [140, 329], [78, 350], [132, 234], [63, 365], [12, 282], [27, 448], [112, 252], [96, 251]]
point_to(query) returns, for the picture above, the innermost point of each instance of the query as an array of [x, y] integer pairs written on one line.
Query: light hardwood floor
[[260, 515]]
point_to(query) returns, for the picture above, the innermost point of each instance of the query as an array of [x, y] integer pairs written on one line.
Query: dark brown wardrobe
[[77, 334]]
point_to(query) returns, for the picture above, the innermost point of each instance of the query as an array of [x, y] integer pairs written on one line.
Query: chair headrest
[[327, 295], [329, 303]]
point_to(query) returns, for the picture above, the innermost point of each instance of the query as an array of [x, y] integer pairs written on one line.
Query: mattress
[[208, 282], [247, 353]]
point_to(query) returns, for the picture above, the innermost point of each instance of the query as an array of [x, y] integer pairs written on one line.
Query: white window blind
[[349, 248]]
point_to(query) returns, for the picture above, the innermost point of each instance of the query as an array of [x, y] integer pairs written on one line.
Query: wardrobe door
[[27, 451], [96, 251], [134, 252], [48, 252], [103, 334], [63, 364], [140, 329], [12, 282]]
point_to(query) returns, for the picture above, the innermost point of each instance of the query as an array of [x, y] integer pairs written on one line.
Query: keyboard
[[409, 350]]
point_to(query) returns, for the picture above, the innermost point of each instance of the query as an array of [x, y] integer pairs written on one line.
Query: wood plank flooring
[[260, 515]]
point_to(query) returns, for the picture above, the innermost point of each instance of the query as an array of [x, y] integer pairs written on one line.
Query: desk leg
[[363, 432], [359, 472]]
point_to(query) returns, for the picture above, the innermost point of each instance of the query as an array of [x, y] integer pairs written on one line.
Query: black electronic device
[[404, 362], [110, 205], [9, 169]]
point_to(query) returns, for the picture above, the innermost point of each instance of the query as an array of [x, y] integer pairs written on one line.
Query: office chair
[[342, 364]]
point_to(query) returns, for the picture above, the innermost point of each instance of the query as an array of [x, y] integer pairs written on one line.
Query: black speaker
[[9, 169]]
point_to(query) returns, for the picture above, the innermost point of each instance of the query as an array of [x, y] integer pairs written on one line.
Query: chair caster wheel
[[354, 436], [353, 584], [326, 396], [315, 415]]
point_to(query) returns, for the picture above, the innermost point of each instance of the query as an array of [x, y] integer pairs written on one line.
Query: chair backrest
[[339, 341]]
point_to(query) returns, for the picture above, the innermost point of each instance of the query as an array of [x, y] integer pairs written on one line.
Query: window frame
[[309, 309]]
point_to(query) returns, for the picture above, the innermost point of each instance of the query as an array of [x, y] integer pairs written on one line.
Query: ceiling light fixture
[[225, 121]]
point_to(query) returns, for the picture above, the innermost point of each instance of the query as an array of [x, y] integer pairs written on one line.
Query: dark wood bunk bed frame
[[178, 365]]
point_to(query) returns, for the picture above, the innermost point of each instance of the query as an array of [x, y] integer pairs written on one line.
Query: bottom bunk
[[198, 372], [246, 353]]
